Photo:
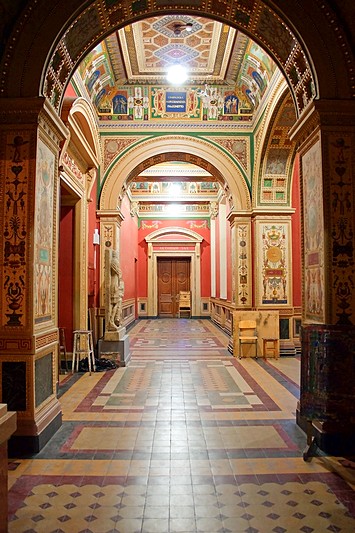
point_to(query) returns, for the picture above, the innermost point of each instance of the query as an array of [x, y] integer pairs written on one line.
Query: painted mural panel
[[341, 162], [14, 191], [244, 292], [313, 234], [274, 277], [44, 233]]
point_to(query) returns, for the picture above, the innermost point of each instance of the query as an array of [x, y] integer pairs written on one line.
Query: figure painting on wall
[[231, 104], [92, 80], [259, 80], [119, 103]]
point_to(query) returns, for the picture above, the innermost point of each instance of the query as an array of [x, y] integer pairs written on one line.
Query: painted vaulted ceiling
[[213, 53], [135, 59]]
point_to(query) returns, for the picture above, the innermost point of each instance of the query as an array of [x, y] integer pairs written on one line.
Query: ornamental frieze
[[72, 167]]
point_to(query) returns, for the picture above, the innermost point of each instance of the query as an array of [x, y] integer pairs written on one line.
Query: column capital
[[26, 111], [238, 216], [110, 215], [325, 115]]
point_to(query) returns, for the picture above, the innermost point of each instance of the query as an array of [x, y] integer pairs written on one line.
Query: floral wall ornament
[[342, 226], [14, 235], [242, 274], [213, 210]]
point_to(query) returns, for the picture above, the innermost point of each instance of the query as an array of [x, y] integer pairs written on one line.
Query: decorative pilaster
[[326, 142], [110, 224], [242, 279], [30, 139]]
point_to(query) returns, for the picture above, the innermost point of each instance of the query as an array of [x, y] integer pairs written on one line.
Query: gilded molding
[[46, 340]]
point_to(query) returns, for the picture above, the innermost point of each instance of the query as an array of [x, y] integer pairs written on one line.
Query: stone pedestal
[[7, 428], [115, 345]]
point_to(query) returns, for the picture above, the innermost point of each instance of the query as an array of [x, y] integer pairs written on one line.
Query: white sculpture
[[114, 291]]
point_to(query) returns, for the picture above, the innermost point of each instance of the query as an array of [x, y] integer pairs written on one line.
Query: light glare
[[174, 189], [176, 74]]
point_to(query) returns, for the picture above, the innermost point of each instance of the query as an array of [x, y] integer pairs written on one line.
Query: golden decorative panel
[[44, 200], [273, 249], [15, 194]]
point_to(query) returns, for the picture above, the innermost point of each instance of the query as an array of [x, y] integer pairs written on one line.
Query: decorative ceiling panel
[[150, 46], [131, 64]]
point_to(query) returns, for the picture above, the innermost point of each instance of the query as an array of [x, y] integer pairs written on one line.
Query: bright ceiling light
[[174, 209], [176, 74], [174, 189]]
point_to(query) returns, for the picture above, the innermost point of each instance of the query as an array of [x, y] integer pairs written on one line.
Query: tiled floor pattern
[[185, 439]]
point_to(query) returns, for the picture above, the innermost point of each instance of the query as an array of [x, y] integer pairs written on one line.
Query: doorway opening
[[174, 274]]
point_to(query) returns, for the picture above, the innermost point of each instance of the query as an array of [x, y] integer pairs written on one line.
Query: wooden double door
[[173, 277]]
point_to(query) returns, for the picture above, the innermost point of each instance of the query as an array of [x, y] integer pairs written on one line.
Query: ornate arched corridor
[[236, 186]]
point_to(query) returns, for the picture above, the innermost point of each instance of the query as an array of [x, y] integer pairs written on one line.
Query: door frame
[[172, 260], [177, 242]]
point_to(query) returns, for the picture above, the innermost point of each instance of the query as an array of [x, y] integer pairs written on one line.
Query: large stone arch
[[185, 148], [307, 40]]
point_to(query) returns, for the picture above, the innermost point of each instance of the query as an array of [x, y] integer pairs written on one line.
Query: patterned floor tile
[[185, 439]]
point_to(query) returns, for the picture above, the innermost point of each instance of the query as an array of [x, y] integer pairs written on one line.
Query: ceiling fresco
[[190, 187], [125, 75]]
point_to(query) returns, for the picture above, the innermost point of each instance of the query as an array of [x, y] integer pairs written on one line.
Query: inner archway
[[188, 149]]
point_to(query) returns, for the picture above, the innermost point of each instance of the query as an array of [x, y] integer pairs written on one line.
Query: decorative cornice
[[30, 111], [171, 126], [110, 214], [325, 114]]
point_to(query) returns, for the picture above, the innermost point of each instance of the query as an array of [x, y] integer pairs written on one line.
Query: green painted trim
[[196, 135]]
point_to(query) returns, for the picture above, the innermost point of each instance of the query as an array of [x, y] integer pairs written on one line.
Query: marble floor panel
[[186, 439]]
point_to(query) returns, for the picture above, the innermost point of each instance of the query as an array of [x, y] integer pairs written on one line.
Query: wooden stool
[[83, 345], [274, 348], [62, 350]]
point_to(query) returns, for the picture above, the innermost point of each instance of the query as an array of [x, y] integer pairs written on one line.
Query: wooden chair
[[271, 346], [184, 304], [247, 335]]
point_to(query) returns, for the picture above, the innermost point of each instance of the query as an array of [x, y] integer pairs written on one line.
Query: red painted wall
[[150, 226], [70, 92], [206, 267], [217, 256], [66, 274], [66, 266], [229, 262], [129, 251], [296, 236]]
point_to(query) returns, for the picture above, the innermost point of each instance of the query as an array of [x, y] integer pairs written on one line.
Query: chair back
[[185, 303], [247, 327]]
